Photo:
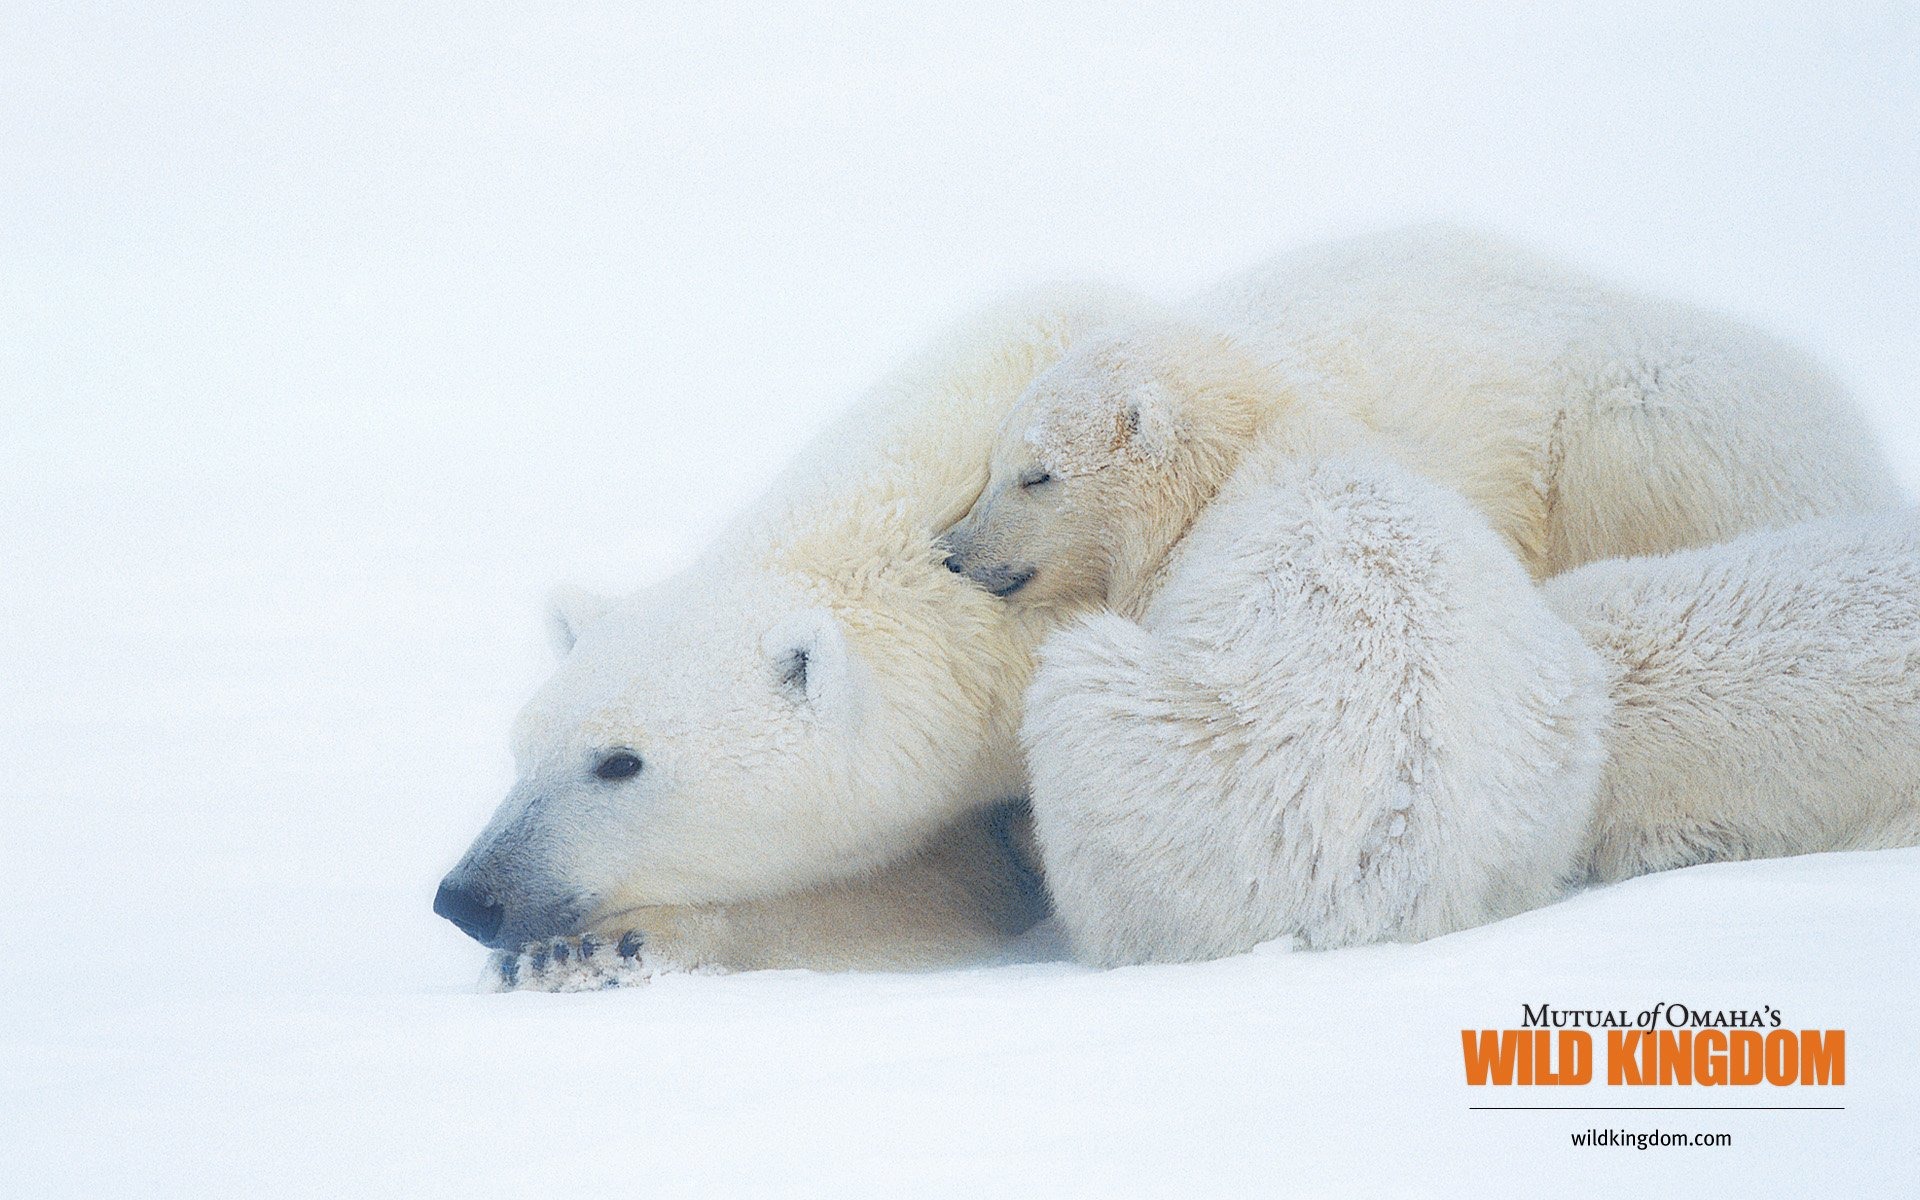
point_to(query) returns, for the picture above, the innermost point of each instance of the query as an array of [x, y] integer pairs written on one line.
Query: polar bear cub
[[1349, 716], [1109, 456], [1583, 422]]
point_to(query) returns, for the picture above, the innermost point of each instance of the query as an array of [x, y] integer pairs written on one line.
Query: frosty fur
[[1349, 717]]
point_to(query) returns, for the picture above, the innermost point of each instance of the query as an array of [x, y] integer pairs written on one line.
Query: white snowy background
[[332, 336]]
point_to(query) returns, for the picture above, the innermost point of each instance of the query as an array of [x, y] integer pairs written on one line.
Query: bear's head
[[1105, 461], [815, 698], [720, 737]]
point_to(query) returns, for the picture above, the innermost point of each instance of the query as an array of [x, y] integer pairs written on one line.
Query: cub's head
[[1104, 461], [699, 742]]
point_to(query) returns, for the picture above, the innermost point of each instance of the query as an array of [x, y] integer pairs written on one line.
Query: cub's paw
[[573, 964]]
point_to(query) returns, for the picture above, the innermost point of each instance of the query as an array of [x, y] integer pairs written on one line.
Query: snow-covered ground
[[332, 336], [1280, 1074]]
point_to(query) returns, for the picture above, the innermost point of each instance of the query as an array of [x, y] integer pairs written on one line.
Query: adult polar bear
[[790, 753]]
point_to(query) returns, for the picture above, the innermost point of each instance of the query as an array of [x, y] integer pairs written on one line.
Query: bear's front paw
[[573, 964]]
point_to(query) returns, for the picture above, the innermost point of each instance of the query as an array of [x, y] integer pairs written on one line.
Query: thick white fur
[[1766, 694], [1349, 716], [1585, 422]]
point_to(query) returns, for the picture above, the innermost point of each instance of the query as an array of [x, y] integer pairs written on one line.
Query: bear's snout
[[976, 556], [1001, 579], [478, 915]]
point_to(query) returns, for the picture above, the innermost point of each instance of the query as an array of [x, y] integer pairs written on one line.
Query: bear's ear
[[809, 659], [1146, 423], [570, 610]]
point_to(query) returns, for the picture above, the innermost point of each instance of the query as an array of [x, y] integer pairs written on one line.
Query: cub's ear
[[1192, 386], [808, 656], [1146, 422], [569, 611]]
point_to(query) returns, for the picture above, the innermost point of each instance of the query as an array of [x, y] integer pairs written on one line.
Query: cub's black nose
[[477, 916], [954, 564]]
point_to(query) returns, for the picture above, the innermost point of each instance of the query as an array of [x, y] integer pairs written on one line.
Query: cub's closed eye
[[618, 766], [1033, 479]]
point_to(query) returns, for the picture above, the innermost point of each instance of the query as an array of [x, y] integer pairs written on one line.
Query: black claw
[[509, 969], [588, 946], [539, 958], [561, 952], [630, 943]]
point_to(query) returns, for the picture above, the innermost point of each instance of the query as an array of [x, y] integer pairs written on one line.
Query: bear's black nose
[[478, 916], [954, 564]]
